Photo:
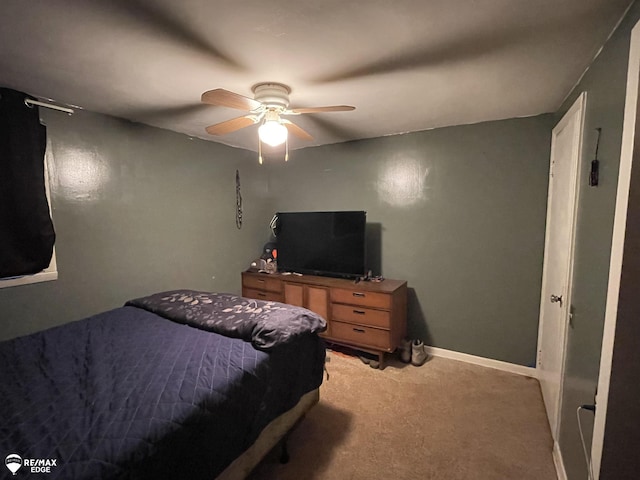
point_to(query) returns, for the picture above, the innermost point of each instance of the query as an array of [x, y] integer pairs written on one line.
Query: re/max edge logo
[[14, 462]]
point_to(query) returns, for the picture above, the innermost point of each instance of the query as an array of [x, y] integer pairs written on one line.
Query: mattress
[[131, 394]]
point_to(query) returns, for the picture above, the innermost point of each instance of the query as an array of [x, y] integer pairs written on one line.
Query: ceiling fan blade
[[334, 108], [296, 130], [225, 98], [231, 125]]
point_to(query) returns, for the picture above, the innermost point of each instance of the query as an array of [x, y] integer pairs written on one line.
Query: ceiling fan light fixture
[[270, 103], [273, 133]]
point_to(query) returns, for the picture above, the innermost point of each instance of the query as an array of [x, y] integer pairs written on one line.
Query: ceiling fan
[[270, 103]]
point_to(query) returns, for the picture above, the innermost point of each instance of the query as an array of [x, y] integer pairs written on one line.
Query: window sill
[[27, 279]]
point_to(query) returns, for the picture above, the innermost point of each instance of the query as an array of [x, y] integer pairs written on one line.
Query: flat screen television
[[322, 243]]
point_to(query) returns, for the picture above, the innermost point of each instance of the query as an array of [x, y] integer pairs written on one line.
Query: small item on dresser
[[271, 266], [269, 251], [258, 265], [269, 255]]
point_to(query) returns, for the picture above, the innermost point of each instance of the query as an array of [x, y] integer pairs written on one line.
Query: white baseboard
[[557, 461], [484, 362]]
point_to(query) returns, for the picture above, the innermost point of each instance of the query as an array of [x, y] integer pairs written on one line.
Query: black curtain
[[26, 229]]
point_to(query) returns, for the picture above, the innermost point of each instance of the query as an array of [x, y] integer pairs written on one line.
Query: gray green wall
[[137, 210], [458, 212], [461, 214], [605, 84]]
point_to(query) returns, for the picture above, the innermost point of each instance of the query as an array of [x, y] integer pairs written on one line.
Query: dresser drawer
[[361, 297], [360, 315], [262, 295], [260, 283], [363, 336]]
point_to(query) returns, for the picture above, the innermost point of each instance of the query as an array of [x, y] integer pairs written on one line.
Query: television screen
[[322, 243]]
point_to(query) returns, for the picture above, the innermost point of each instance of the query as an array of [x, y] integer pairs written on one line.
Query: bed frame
[[274, 432]]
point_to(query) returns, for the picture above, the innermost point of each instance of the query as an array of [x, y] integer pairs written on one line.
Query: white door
[[555, 302]]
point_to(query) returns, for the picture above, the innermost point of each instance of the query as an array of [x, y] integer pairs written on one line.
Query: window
[[51, 272]]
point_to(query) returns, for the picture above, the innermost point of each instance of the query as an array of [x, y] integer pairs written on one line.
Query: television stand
[[366, 316]]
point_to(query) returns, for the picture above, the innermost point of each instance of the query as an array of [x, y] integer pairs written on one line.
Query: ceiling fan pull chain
[[286, 150], [238, 202]]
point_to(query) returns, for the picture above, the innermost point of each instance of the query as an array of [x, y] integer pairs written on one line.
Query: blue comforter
[[128, 394]]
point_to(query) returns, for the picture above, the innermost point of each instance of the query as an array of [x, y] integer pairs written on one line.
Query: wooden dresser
[[368, 316]]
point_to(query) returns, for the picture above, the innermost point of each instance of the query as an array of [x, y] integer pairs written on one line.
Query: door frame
[[617, 248], [578, 108]]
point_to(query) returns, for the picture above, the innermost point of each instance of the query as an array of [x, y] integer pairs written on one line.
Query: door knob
[[556, 299]]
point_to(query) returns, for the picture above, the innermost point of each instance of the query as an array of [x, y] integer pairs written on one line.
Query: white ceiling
[[406, 65]]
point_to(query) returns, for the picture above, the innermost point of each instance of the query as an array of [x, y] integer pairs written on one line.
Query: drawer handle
[[359, 330], [260, 280], [262, 294], [359, 312], [358, 294]]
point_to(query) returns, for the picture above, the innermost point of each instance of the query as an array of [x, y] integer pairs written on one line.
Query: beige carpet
[[445, 420]]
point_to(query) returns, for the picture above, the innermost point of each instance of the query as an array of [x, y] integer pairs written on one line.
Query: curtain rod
[[29, 103]]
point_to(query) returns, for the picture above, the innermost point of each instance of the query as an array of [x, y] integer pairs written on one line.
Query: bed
[[178, 384]]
